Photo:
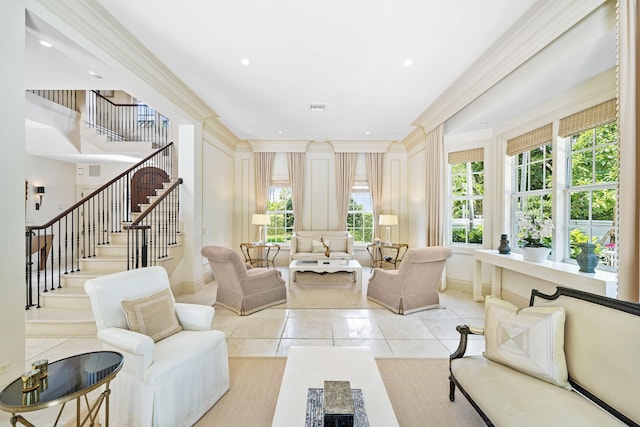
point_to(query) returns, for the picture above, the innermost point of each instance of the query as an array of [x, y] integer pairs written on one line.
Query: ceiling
[[346, 55]]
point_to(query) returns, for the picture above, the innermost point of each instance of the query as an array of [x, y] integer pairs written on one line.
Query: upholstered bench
[[569, 359], [306, 245]]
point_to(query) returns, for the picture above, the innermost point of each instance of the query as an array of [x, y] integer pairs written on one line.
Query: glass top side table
[[67, 379], [397, 250], [264, 255]]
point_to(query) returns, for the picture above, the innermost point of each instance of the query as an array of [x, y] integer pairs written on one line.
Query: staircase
[[66, 310]]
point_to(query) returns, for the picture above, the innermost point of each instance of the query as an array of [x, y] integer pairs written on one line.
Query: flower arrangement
[[534, 231]]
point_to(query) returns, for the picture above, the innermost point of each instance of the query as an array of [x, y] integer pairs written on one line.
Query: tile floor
[[324, 310]]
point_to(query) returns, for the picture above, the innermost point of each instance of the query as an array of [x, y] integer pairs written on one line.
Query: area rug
[[418, 390]]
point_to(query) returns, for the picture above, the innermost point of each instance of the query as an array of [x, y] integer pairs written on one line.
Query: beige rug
[[418, 390]]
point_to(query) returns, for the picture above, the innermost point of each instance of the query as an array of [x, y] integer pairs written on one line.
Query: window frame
[[469, 197], [361, 187], [287, 214]]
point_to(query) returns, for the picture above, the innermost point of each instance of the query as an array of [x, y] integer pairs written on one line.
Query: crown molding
[[360, 146], [415, 138], [282, 146], [544, 22], [94, 29]]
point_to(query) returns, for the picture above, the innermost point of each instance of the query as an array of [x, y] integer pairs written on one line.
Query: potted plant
[[534, 236]]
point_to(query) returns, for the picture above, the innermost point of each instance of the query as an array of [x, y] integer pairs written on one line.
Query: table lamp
[[261, 220], [388, 220]]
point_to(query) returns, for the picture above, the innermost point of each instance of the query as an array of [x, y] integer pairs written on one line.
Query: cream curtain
[[375, 162], [629, 181], [434, 187], [345, 174], [263, 163], [296, 164]]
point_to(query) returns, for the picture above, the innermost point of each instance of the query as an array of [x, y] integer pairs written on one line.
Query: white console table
[[560, 273]]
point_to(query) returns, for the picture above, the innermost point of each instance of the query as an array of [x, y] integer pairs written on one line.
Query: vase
[[587, 258], [504, 247], [535, 254]]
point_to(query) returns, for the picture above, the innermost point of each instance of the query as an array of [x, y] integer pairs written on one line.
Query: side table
[[264, 253], [67, 379], [378, 258]]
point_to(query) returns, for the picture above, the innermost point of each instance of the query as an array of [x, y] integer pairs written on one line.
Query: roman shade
[[595, 116], [473, 155], [530, 140]]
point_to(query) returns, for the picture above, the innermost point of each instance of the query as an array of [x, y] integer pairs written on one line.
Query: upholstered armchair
[[166, 380], [414, 286], [243, 290]]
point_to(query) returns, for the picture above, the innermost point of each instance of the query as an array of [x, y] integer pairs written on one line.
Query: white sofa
[[601, 347], [168, 383], [305, 245]]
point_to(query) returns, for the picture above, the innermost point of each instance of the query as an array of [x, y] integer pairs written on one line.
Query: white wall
[[12, 174], [55, 176]]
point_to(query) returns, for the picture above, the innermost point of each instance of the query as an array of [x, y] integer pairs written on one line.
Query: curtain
[[434, 187], [263, 163], [629, 180], [296, 180], [345, 174], [375, 162]]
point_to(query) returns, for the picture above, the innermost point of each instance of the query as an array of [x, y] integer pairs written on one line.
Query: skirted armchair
[[175, 366], [243, 290], [414, 286]]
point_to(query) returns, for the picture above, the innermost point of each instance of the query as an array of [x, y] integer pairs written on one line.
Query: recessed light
[[245, 61], [407, 62], [45, 43], [280, 132], [367, 132]]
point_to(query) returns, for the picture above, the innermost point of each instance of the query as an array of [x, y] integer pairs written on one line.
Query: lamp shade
[[260, 219], [388, 220]]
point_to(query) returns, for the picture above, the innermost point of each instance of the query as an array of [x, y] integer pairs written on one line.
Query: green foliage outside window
[[466, 202], [359, 218], [280, 210]]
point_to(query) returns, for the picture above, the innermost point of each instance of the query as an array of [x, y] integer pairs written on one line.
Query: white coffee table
[[309, 367], [326, 266]]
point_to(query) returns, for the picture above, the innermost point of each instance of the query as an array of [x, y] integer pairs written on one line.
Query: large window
[[360, 214], [280, 210], [592, 190], [533, 184], [466, 196]]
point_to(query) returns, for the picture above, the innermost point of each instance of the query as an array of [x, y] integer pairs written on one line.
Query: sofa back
[[602, 347], [339, 241]]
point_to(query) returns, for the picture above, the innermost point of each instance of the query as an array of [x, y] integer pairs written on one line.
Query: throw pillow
[[530, 340], [154, 315], [316, 246], [338, 244]]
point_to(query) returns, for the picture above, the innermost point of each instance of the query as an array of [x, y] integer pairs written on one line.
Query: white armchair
[[171, 382]]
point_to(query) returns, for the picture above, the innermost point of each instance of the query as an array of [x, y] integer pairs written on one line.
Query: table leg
[[477, 281]]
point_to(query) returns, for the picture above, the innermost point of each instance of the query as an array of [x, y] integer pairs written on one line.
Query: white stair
[[66, 310]]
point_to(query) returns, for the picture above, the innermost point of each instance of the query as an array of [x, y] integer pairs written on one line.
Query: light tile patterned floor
[[322, 310]]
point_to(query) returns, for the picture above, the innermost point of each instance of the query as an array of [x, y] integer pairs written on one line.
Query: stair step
[[77, 279], [72, 298], [59, 322]]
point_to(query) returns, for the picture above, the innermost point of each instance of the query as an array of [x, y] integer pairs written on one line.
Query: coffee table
[[68, 379], [326, 266], [309, 367]]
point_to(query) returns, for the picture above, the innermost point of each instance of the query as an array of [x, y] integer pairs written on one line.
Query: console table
[[67, 379], [377, 256], [559, 273], [263, 254]]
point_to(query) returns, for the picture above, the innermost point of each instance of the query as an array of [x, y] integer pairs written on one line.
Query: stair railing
[[56, 248], [126, 122], [151, 235]]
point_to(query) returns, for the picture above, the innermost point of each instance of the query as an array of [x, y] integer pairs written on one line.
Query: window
[[592, 191], [533, 183], [360, 214], [280, 209], [466, 184]]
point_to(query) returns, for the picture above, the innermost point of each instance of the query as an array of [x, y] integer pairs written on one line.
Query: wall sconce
[[261, 220], [39, 192], [388, 220]]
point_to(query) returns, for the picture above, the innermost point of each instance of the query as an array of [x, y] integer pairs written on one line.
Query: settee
[[569, 359], [306, 245]]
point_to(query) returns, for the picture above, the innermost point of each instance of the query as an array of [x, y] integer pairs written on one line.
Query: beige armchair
[[414, 286], [243, 290]]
